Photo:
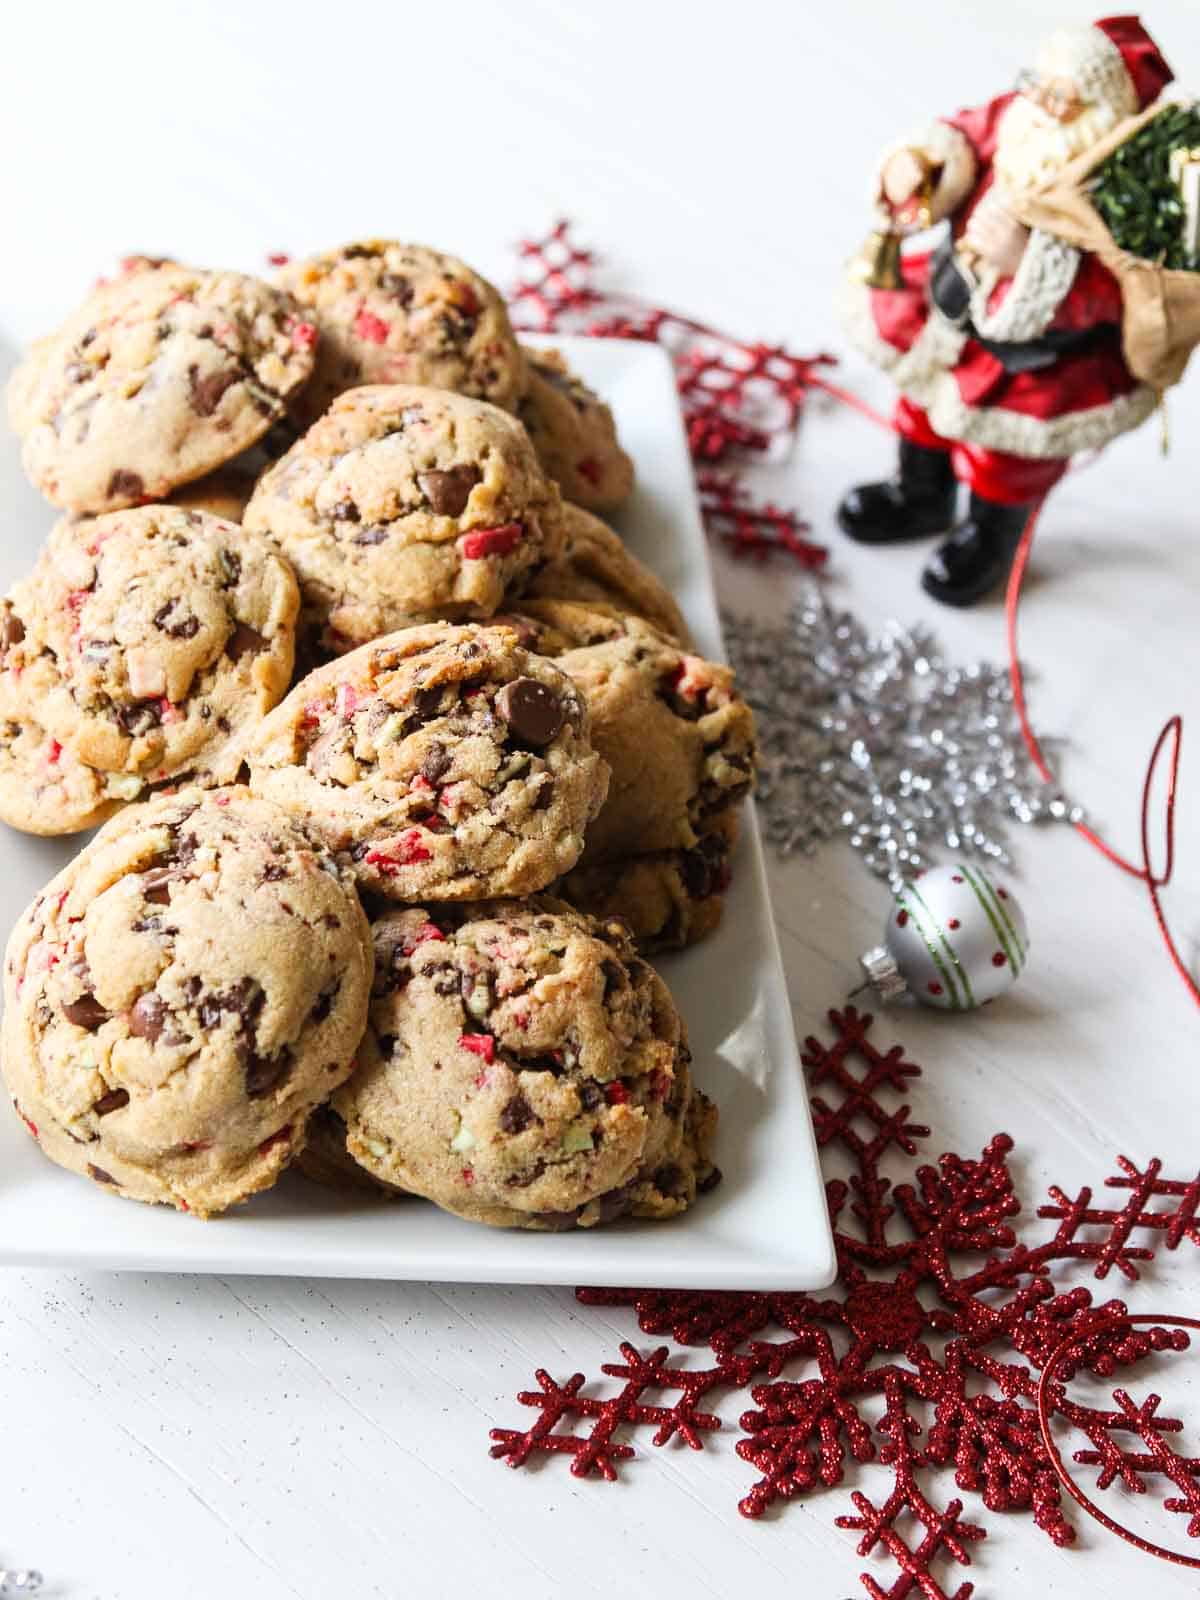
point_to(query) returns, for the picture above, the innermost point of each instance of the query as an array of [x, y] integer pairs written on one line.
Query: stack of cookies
[[407, 758]]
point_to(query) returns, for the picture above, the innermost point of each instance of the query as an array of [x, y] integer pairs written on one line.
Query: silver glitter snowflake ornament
[[878, 737], [22, 1581]]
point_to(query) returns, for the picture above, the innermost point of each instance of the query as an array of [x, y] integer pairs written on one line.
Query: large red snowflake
[[738, 397], [925, 1354]]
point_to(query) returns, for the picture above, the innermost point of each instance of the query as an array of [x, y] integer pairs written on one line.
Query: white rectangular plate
[[766, 1224]]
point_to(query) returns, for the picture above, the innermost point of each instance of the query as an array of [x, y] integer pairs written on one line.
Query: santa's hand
[[902, 176], [995, 236]]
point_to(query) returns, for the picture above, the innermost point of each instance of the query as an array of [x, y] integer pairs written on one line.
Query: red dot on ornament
[[935, 988], [1003, 893], [954, 923], [901, 918], [956, 878], [999, 959]]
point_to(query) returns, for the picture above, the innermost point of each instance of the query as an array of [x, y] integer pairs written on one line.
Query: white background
[[205, 1437]]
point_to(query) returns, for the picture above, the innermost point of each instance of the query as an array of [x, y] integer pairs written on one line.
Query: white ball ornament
[[954, 939]]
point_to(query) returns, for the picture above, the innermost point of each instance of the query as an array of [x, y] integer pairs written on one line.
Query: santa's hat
[[1115, 62]]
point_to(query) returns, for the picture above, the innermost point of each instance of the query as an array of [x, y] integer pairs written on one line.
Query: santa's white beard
[[1033, 147]]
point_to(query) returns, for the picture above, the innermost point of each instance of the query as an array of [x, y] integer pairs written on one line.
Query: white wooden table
[[271, 1438]]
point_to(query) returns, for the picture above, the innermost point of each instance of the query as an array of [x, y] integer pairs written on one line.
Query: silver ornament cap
[[954, 939]]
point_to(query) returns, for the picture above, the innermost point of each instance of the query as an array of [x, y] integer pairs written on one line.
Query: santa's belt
[[950, 289]]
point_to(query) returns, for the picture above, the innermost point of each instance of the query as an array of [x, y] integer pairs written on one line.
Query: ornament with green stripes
[[954, 939]]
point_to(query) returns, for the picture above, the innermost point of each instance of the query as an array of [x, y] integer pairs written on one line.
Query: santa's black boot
[[917, 502], [977, 555]]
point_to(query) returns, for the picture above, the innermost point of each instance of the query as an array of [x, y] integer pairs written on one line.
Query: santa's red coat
[[1083, 400]]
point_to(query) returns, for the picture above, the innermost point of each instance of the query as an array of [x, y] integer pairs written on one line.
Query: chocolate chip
[[710, 1181], [532, 711], [428, 701], [231, 566], [516, 1116], [436, 763], [264, 1072], [156, 886], [399, 287], [557, 1221], [345, 511], [112, 1101], [544, 794], [99, 1174], [324, 1003], [86, 1012], [245, 1000], [273, 873], [448, 491], [140, 717], [371, 536], [359, 252], [12, 631], [186, 627], [127, 484], [242, 641], [616, 1202], [204, 393], [148, 1017], [697, 873], [590, 1094]]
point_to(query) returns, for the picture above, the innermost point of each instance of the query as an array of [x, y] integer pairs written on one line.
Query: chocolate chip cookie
[[438, 763], [671, 726], [524, 1068], [159, 376], [180, 997], [573, 433], [148, 643], [403, 505], [402, 313], [596, 568], [668, 898]]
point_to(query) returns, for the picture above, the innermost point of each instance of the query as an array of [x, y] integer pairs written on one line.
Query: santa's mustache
[[1033, 146]]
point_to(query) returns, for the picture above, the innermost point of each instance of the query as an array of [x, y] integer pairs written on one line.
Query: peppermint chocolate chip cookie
[[671, 725], [669, 899], [403, 505], [402, 313], [148, 643], [158, 377], [439, 763], [573, 433], [180, 997], [596, 568], [524, 1068]]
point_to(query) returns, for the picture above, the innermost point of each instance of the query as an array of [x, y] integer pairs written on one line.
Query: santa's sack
[[1160, 324]]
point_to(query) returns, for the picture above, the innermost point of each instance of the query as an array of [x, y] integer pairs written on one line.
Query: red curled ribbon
[[1171, 736]]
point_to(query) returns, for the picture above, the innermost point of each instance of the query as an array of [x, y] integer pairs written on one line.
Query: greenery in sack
[[1134, 192]]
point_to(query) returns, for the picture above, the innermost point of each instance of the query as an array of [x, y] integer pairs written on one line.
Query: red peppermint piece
[[55, 752], [370, 327], [346, 700], [479, 1044], [303, 334], [590, 469], [468, 1176], [496, 541], [408, 849], [281, 1137], [427, 932], [278, 258], [616, 1094]]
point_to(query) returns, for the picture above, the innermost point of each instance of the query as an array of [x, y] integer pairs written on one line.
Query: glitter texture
[[925, 1355], [877, 737]]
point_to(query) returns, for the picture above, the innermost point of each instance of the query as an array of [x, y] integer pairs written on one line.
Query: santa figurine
[[1004, 341]]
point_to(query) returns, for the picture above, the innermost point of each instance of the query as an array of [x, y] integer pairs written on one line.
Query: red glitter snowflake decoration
[[925, 1355], [738, 398]]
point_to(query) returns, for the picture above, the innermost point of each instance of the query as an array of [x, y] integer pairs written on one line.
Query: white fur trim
[[1040, 285], [934, 351], [1092, 61], [943, 146], [925, 373]]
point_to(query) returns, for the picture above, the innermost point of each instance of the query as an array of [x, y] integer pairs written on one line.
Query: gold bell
[[877, 264]]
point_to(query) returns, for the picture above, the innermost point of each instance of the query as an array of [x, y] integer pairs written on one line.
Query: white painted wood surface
[[312, 1439]]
